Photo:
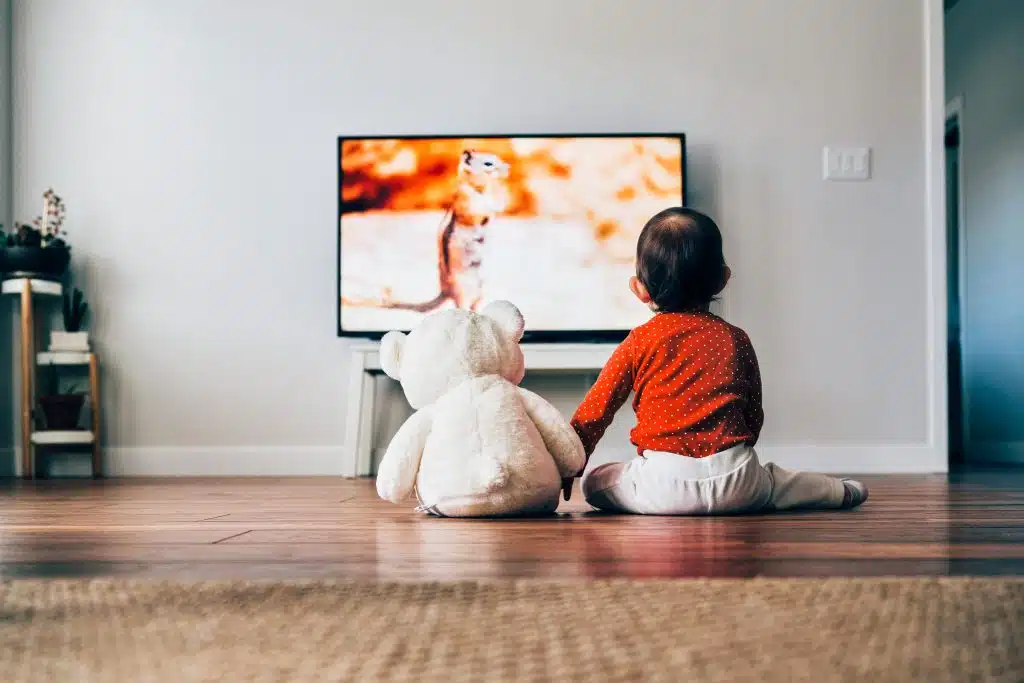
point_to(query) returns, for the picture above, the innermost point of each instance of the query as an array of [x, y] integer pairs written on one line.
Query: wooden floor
[[290, 528]]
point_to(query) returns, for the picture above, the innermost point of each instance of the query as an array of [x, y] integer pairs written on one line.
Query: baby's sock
[[855, 493]]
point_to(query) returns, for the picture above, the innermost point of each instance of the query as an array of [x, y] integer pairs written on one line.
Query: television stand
[[364, 366]]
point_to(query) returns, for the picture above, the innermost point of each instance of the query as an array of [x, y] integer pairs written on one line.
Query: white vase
[[69, 341]]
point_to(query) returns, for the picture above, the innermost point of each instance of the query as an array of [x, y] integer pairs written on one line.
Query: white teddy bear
[[478, 445]]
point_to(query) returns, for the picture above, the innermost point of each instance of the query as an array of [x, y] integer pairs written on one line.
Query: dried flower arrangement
[[39, 248], [46, 230]]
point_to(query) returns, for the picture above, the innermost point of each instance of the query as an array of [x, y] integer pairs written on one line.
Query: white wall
[[8, 389], [194, 143], [985, 66]]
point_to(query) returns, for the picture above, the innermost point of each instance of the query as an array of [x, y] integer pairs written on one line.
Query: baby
[[696, 393]]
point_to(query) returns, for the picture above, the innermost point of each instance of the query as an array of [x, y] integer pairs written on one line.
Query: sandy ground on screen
[[555, 272]]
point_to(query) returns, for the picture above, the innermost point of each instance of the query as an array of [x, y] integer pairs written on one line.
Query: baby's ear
[[391, 346], [508, 317]]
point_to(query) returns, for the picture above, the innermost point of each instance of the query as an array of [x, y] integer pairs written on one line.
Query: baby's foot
[[855, 493]]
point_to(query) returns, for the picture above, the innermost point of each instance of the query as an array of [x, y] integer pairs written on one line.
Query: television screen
[[548, 223]]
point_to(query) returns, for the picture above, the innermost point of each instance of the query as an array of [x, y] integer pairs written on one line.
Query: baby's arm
[[609, 392], [559, 438], [396, 475]]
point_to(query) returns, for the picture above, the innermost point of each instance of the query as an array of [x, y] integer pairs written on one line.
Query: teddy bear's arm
[[396, 475], [560, 439]]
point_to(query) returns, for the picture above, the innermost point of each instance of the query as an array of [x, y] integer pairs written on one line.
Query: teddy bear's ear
[[391, 345], [508, 317]]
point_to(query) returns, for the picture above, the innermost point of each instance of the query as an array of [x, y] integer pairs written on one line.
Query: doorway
[[956, 402]]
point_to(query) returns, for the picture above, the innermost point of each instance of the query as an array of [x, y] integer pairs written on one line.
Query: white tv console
[[364, 366]]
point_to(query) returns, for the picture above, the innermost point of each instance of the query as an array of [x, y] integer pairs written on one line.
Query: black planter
[[44, 263], [62, 411]]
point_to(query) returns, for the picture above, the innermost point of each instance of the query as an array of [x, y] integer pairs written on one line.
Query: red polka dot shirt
[[695, 382]]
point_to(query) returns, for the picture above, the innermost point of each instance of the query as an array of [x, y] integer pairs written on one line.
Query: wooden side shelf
[[31, 438]]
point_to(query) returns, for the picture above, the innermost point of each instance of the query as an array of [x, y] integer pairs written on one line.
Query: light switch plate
[[847, 163]]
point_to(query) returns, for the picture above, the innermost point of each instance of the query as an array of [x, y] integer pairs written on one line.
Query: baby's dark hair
[[679, 260]]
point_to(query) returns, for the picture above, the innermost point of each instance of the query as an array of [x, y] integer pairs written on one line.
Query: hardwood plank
[[698, 568], [230, 548], [317, 527], [98, 539]]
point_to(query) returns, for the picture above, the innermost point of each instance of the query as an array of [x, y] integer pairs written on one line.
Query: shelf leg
[[94, 398], [28, 347]]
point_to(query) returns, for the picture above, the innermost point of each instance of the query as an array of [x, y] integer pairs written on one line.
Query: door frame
[[955, 111], [936, 447]]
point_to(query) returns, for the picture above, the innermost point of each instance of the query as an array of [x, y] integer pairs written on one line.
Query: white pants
[[732, 481]]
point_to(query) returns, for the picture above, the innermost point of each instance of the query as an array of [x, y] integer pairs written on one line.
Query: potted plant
[[39, 250], [61, 409], [73, 338]]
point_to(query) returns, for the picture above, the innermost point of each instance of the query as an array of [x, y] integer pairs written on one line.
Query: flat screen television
[[549, 223]]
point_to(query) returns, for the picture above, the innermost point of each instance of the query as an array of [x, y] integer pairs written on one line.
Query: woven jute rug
[[723, 630]]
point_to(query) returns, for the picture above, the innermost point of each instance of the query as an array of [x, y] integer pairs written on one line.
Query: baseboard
[[996, 452], [191, 461], [222, 461], [284, 461], [855, 459]]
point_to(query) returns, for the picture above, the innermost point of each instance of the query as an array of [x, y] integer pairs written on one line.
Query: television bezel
[[529, 336]]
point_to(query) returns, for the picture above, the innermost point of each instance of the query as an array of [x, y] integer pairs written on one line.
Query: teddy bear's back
[[481, 438]]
